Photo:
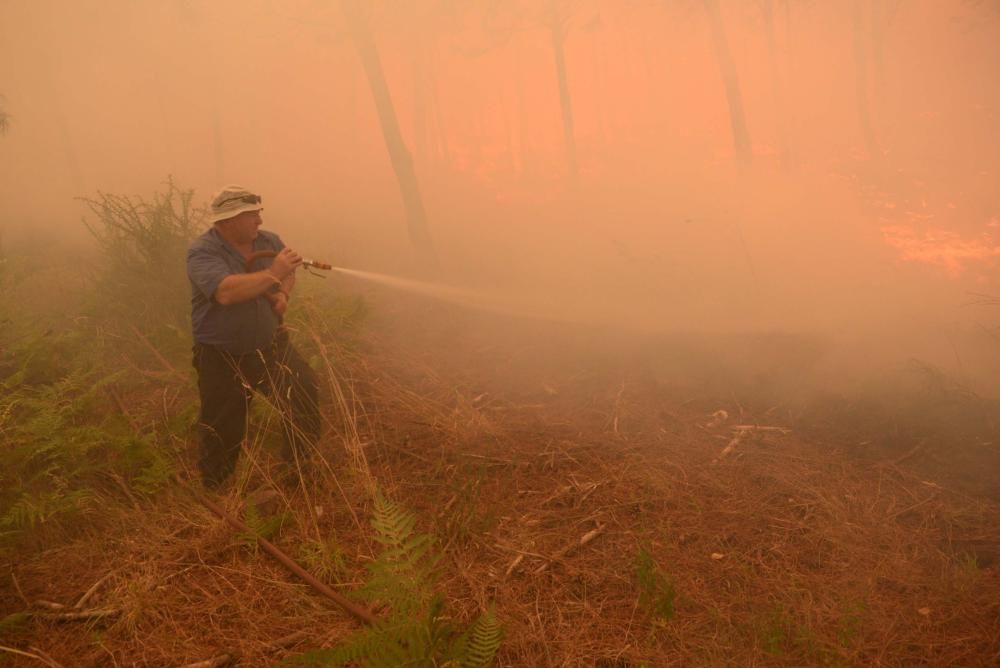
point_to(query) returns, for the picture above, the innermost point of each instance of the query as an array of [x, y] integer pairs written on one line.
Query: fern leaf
[[477, 648]]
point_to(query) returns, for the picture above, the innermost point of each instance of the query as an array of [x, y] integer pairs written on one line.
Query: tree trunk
[[741, 137], [861, 64], [777, 85], [419, 99], [402, 163], [565, 103]]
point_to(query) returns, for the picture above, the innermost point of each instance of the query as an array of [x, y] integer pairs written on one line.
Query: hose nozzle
[[315, 264]]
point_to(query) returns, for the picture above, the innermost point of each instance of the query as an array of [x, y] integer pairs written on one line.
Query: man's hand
[[285, 263], [279, 302]]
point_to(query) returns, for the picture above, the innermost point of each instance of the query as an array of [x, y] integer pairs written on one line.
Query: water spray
[[477, 299]]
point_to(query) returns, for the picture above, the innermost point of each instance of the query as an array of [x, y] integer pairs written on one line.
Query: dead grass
[[782, 553]]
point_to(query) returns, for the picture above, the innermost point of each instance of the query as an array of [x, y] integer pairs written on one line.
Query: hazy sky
[[833, 221]]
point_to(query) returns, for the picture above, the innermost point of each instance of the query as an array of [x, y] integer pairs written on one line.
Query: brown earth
[[795, 547]]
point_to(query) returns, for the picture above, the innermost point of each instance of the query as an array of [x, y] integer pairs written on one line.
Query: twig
[[19, 652], [285, 642], [49, 605], [97, 613], [760, 427], [741, 431], [586, 538], [93, 589], [36, 657], [17, 586], [159, 356], [214, 662], [732, 445], [513, 565], [45, 657]]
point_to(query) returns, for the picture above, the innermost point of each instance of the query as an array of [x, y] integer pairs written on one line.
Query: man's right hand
[[285, 263]]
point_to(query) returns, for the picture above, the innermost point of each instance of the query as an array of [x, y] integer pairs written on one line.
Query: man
[[238, 346]]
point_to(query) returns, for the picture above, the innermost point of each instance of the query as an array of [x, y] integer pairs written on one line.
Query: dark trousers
[[227, 383]]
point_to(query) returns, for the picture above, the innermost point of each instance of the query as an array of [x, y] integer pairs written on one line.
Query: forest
[[657, 333]]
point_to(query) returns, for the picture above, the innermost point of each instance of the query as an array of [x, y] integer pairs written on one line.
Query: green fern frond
[[12, 623], [31, 510], [403, 573], [478, 647], [656, 591], [417, 633], [261, 527]]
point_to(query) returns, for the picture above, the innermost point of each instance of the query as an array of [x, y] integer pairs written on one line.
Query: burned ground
[[597, 503]]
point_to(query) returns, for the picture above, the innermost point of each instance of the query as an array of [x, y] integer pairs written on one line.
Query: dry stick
[[21, 653], [17, 586], [45, 657], [358, 612], [93, 589], [214, 662], [732, 445], [97, 613], [159, 356], [49, 605], [586, 538], [741, 431], [513, 565], [287, 641]]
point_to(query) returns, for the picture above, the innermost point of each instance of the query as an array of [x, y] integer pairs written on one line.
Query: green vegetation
[[70, 440], [656, 591], [417, 632]]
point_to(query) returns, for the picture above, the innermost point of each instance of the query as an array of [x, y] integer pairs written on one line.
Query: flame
[[939, 247]]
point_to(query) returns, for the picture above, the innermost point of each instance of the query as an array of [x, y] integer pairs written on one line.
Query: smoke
[[862, 222]]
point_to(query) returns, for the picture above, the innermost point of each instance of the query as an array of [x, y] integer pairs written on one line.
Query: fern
[[478, 647], [656, 591], [261, 527], [402, 574], [417, 632], [30, 510], [11, 624]]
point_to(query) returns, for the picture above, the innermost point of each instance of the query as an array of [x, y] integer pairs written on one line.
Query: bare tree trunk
[[419, 99], [523, 149], [565, 103], [741, 137], [861, 64], [402, 163], [777, 85]]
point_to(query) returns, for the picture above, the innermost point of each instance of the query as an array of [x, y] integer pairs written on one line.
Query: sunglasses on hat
[[247, 199]]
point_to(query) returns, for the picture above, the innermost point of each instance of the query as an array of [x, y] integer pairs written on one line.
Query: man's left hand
[[279, 302]]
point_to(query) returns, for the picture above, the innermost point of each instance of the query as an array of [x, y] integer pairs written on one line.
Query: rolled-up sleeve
[[206, 269]]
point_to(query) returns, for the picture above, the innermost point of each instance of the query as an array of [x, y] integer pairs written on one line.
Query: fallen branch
[[93, 589], [731, 445], [287, 641], [80, 615], [214, 662], [45, 658], [159, 356], [513, 565], [49, 605], [22, 653], [586, 538], [741, 432]]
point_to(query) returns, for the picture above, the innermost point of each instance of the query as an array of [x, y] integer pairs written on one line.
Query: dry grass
[[782, 553]]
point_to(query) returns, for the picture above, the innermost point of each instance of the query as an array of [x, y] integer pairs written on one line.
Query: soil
[[547, 462]]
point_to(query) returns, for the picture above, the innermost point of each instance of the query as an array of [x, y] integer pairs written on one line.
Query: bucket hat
[[232, 201]]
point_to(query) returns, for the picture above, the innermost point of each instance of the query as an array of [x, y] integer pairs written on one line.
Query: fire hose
[[358, 612], [311, 264]]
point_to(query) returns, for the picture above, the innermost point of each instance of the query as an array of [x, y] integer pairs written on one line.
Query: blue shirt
[[235, 328]]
